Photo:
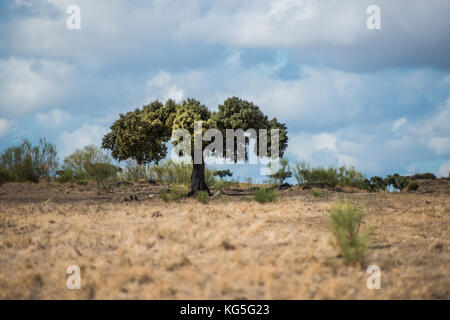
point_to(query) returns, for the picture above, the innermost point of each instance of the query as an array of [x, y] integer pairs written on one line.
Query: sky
[[378, 100]]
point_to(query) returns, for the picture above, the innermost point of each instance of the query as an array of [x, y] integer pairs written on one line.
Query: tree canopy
[[143, 134]]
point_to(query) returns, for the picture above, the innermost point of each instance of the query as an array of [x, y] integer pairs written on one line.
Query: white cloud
[[5, 126], [27, 85], [444, 170], [161, 87], [53, 118], [79, 138], [398, 123], [334, 31], [440, 145]]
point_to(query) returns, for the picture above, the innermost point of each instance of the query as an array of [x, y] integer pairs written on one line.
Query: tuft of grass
[[317, 193], [173, 195], [345, 222], [265, 195], [203, 197]]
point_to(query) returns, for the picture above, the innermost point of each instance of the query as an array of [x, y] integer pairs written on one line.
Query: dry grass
[[150, 249]]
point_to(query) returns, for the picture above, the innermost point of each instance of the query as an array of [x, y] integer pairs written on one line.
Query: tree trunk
[[198, 180]]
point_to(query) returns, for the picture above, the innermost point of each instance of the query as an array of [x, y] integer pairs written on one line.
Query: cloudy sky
[[375, 99]]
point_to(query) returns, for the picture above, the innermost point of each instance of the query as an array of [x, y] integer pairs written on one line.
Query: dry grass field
[[230, 248]]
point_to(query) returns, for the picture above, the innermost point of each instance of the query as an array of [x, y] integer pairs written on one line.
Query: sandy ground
[[227, 249]]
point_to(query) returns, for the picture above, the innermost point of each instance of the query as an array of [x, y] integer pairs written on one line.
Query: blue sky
[[375, 99]]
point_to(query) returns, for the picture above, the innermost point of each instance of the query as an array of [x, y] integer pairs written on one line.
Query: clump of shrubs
[[89, 164], [26, 162], [345, 223], [329, 177], [412, 186], [174, 173], [265, 195]]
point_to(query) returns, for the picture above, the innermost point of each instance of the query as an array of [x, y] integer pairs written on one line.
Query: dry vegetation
[[227, 249]]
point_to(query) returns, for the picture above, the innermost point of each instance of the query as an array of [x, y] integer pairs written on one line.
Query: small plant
[[281, 174], [173, 195], [203, 197], [265, 195], [317, 193], [345, 221], [133, 172], [222, 174], [412, 186]]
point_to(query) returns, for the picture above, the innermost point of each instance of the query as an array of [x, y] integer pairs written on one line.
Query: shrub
[[397, 181], [317, 193], [4, 176], [28, 163], [173, 195], [345, 221], [265, 195], [203, 197], [424, 176], [377, 184], [329, 177], [171, 173], [89, 164], [133, 172], [412, 186], [222, 173], [103, 174], [281, 174]]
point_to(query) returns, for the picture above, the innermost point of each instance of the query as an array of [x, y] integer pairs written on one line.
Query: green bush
[[222, 174], [329, 177], [89, 164], [317, 193], [424, 176], [203, 197], [412, 186], [345, 221], [172, 173], [281, 174], [4, 176], [265, 195], [173, 195], [27, 162], [133, 172]]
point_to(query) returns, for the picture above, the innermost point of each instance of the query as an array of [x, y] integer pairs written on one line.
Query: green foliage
[[265, 195], [133, 172], [397, 181], [222, 184], [412, 186], [281, 174], [89, 164], [378, 184], [173, 173], [203, 197], [424, 176], [236, 113], [26, 162], [222, 173], [174, 194], [317, 193], [345, 222], [329, 177], [103, 175], [142, 134]]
